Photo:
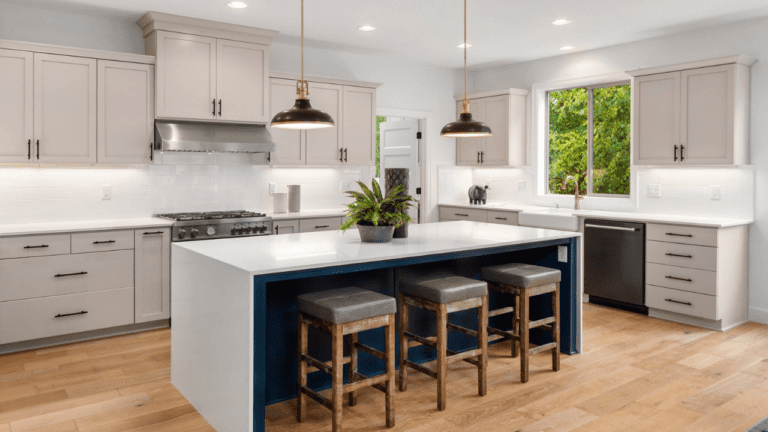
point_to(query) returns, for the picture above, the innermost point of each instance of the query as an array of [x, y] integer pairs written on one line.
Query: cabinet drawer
[[37, 277], [319, 224], [456, 213], [683, 302], [286, 226], [102, 241], [680, 255], [502, 217], [682, 234], [685, 279], [38, 318], [33, 246]]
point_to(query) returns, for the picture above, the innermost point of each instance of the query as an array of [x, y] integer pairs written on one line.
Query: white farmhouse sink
[[556, 219]]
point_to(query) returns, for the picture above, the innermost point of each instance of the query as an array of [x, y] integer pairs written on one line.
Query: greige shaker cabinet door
[[290, 143], [153, 264], [65, 109], [324, 145], [359, 132], [495, 148], [186, 76], [242, 81], [656, 123], [468, 149], [16, 111], [125, 112]]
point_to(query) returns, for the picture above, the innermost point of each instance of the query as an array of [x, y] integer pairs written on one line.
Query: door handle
[[679, 302], [610, 227], [151, 152], [71, 314], [678, 255], [682, 147], [71, 274], [680, 279], [38, 149], [104, 242], [219, 107], [478, 157], [346, 155], [482, 157], [675, 153], [29, 149], [214, 107]]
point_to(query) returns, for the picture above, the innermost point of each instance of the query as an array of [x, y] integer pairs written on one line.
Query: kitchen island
[[233, 338]]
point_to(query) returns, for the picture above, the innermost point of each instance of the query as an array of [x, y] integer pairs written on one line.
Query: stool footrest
[[544, 347], [366, 382], [317, 397], [380, 387], [502, 311], [430, 342], [420, 368], [464, 356], [541, 322], [318, 366], [461, 329], [494, 338], [508, 334], [368, 350]]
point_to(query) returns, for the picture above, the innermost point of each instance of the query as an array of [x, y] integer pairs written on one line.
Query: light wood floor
[[637, 374]]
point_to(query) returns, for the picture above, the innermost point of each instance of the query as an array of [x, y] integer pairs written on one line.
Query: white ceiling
[[500, 31]]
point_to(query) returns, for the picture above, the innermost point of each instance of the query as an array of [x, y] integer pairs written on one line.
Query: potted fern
[[376, 215]]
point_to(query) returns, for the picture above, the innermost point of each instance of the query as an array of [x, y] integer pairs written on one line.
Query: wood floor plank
[[717, 420], [669, 420], [721, 392], [618, 420], [751, 403], [564, 421], [67, 426]]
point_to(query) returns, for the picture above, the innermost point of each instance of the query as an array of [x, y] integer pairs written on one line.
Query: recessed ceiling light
[[237, 5], [366, 28], [561, 22], [462, 46], [566, 48]]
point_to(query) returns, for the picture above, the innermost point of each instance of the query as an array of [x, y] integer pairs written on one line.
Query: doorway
[[400, 144]]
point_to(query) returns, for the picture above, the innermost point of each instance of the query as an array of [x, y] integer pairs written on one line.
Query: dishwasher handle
[[610, 227]]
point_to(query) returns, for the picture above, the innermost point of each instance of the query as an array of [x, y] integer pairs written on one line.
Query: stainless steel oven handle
[[609, 227]]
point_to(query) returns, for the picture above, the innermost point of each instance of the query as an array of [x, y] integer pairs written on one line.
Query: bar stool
[[342, 312], [525, 281], [442, 294]]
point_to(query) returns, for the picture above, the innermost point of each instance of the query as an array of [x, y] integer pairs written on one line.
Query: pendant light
[[302, 115], [465, 126]]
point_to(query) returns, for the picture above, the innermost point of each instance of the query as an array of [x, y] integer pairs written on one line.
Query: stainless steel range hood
[[212, 137]]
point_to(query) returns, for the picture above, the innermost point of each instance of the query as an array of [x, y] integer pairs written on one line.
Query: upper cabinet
[[352, 142], [208, 70], [505, 112], [692, 114], [17, 113]]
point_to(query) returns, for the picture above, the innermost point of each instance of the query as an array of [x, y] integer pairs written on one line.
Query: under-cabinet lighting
[[566, 48], [463, 45], [561, 22], [366, 28], [237, 5]]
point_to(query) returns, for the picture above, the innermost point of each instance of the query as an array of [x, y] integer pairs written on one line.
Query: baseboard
[[687, 319], [758, 315], [83, 336]]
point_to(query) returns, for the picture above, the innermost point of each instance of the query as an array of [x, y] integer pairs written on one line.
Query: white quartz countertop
[[308, 214], [624, 216], [278, 254], [497, 206], [9, 230]]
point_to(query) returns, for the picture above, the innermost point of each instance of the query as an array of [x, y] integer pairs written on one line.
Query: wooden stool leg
[[390, 355], [402, 328], [556, 329], [525, 351], [352, 367], [482, 343], [337, 366], [516, 326], [301, 402], [442, 352]]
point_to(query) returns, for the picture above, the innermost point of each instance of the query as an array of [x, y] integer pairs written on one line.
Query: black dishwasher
[[614, 264]]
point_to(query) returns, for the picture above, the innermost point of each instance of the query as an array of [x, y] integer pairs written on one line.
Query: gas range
[[215, 225]]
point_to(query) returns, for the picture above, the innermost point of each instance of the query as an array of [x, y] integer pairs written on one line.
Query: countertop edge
[[78, 227]]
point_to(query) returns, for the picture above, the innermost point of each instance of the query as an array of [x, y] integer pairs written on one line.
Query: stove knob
[[210, 230], [194, 233], [182, 233]]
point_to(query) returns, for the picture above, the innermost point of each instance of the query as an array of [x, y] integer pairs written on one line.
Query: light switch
[[715, 192], [521, 185], [273, 188], [106, 192], [654, 191]]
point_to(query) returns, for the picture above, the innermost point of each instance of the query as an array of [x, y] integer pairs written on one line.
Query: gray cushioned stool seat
[[443, 288], [520, 275], [345, 305]]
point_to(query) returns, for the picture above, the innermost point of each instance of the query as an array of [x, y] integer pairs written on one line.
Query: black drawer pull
[[71, 274], [29, 149], [104, 242], [677, 278], [500, 218], [71, 314], [679, 256], [679, 302], [679, 235], [153, 233], [459, 214], [322, 226], [36, 247]]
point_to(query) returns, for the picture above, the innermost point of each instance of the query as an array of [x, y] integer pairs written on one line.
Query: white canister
[[280, 202], [294, 198]]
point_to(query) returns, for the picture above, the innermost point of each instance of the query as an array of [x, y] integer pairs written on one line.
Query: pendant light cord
[[465, 49], [302, 39]]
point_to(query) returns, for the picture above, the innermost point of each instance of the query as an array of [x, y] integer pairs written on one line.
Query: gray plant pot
[[376, 234]]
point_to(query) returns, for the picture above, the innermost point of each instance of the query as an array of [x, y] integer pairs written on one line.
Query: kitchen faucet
[[576, 196]]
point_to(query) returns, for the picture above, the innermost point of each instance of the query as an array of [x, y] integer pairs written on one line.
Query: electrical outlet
[[273, 188], [654, 191], [521, 185], [715, 192], [562, 254], [106, 192]]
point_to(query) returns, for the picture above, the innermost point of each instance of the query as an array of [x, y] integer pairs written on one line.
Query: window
[[379, 121], [589, 136]]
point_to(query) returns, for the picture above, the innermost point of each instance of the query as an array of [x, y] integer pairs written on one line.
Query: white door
[[186, 76], [495, 113], [16, 111], [289, 143], [399, 148], [125, 112], [359, 126], [468, 149], [242, 81], [65, 109], [324, 145], [153, 275], [656, 122], [707, 115]]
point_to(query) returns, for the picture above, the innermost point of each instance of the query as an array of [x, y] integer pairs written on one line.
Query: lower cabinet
[[501, 217], [153, 274], [319, 224], [286, 226]]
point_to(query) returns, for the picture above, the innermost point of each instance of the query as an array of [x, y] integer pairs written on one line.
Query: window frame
[[590, 137]]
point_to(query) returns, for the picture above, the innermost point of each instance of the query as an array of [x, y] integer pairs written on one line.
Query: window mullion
[[590, 125]]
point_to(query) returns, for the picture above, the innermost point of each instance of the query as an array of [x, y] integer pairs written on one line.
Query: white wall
[[686, 189], [417, 88]]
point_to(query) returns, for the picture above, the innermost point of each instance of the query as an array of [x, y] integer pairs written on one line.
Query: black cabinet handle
[[679, 235], [71, 274], [459, 214], [322, 226], [678, 255], [341, 155], [104, 242], [501, 218], [35, 247], [219, 107], [29, 149], [153, 233], [151, 152], [214, 107], [679, 302], [682, 148], [71, 314], [675, 153], [346, 153], [277, 230], [478, 157], [677, 278], [482, 157], [38, 149]]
